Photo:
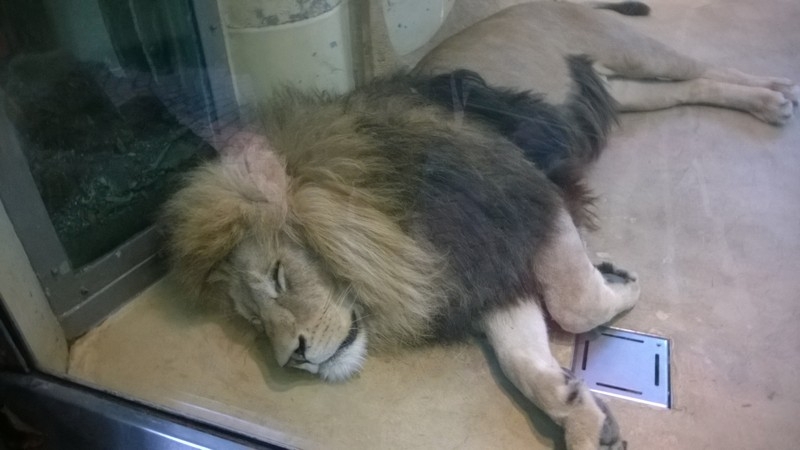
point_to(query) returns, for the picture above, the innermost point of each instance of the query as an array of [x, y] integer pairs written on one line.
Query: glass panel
[[110, 101]]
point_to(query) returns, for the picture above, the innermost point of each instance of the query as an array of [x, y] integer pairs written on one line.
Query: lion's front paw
[[610, 438], [619, 445], [583, 430]]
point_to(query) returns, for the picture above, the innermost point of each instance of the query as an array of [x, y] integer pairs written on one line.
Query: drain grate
[[624, 364]]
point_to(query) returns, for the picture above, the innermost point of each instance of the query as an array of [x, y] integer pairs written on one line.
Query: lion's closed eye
[[272, 282], [278, 278]]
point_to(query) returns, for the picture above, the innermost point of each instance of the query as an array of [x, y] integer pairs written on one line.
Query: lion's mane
[[426, 215]]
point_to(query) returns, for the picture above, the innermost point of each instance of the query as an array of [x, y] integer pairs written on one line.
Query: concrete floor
[[703, 203]]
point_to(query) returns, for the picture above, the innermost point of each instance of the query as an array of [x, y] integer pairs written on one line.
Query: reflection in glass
[[106, 114]]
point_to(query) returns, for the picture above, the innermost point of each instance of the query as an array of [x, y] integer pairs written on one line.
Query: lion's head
[[312, 264], [232, 242], [311, 323]]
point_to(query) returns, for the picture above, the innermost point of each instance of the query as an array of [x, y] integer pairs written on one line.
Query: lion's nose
[[299, 354]]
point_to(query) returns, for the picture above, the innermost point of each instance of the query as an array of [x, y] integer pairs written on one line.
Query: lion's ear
[[251, 158]]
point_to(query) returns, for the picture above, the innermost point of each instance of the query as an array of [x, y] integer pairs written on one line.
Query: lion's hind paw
[[787, 87]]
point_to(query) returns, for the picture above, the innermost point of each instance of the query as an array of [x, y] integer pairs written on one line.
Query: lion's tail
[[624, 8], [561, 140], [591, 111]]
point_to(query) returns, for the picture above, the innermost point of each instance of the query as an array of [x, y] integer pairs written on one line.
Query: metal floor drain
[[624, 364]]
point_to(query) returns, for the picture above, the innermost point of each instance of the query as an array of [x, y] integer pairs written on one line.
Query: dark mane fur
[[625, 8], [561, 140]]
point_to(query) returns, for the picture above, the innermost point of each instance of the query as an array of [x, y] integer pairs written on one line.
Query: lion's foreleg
[[518, 335]]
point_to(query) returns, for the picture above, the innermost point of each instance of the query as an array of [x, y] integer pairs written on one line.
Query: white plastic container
[[412, 23], [265, 52]]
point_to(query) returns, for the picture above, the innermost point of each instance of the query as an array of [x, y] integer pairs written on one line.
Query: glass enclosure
[[109, 101], [105, 104]]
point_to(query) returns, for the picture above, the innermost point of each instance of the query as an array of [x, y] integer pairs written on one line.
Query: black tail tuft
[[625, 8], [590, 108], [560, 140]]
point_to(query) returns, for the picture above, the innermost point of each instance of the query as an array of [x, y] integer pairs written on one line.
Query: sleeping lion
[[431, 206]]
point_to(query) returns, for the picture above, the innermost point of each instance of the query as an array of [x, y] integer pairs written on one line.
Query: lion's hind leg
[[785, 86], [646, 75], [775, 105], [518, 335], [578, 295]]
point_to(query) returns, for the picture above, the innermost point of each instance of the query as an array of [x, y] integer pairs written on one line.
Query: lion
[[427, 207], [382, 219]]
